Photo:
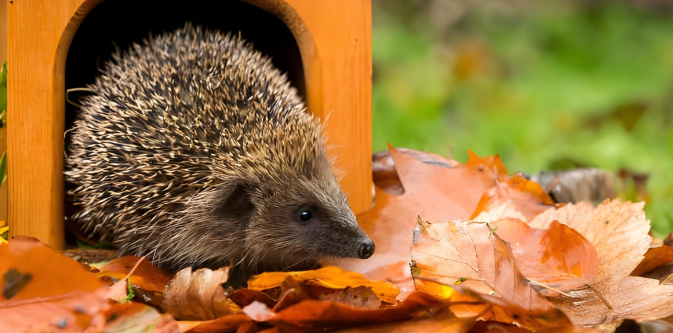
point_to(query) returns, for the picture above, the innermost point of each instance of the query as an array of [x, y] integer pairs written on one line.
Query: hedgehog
[[193, 150]]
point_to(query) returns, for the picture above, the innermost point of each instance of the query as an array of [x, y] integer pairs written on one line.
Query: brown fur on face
[[195, 151]]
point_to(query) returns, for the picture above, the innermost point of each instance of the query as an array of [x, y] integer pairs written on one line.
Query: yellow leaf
[[328, 277], [2, 231]]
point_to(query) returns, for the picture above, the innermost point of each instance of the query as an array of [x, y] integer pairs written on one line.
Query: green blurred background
[[548, 85]]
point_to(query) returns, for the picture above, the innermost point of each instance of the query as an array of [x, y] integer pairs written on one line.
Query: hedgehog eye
[[305, 215]]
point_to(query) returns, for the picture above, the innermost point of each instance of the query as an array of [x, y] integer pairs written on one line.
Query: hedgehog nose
[[366, 249]]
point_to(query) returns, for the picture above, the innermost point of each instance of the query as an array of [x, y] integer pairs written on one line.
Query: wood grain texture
[[334, 38], [39, 33]]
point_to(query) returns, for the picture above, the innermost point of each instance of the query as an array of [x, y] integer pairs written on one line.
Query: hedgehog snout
[[366, 249]]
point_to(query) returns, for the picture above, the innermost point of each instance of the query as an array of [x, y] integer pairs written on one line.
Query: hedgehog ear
[[236, 203]]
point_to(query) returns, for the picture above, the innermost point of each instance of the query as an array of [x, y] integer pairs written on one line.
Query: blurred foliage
[[547, 85]]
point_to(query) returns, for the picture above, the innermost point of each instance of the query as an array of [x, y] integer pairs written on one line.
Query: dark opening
[[120, 23]]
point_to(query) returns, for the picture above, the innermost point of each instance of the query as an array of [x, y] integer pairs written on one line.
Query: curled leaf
[[198, 295], [558, 258]]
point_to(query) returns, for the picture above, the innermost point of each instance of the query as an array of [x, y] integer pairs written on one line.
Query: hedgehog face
[[308, 220]]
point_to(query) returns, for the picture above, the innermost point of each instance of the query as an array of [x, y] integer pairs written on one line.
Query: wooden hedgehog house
[[54, 46]]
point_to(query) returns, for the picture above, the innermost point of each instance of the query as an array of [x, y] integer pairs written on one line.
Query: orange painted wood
[[334, 38], [3, 131]]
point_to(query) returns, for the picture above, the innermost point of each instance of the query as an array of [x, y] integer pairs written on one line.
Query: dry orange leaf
[[492, 166], [385, 175], [558, 258], [432, 190], [525, 195], [223, 324], [198, 295], [443, 322], [31, 269], [466, 304], [75, 311], [655, 257], [619, 232], [40, 272], [146, 276], [329, 277], [470, 254], [138, 317], [47, 290], [496, 327], [319, 315]]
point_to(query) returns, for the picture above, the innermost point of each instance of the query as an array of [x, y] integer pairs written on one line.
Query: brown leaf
[[91, 256], [316, 314], [466, 303], [442, 322], [146, 276], [198, 295], [470, 254], [244, 297], [223, 324], [655, 256], [619, 232], [496, 327]]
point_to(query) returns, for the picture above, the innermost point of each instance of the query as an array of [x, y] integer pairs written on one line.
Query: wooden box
[[334, 42]]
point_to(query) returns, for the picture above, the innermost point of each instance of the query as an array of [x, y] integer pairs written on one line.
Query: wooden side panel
[[39, 34], [3, 131], [342, 33]]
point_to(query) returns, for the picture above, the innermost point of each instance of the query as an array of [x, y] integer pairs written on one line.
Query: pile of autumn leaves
[[459, 248]]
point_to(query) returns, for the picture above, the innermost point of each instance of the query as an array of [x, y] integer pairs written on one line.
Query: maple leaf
[[619, 232], [433, 190]]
